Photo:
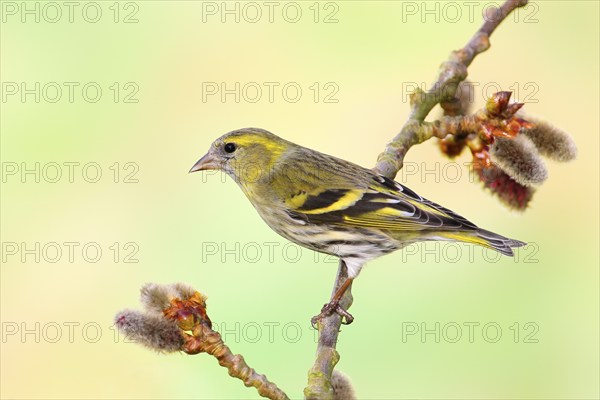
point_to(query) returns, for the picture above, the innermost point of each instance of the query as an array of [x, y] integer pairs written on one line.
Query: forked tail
[[487, 239]]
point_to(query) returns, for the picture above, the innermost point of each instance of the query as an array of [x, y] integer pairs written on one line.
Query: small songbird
[[333, 206]]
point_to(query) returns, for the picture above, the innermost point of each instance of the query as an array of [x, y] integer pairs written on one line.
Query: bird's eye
[[229, 148]]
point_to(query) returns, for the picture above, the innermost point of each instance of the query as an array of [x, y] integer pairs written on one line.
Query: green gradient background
[[369, 53]]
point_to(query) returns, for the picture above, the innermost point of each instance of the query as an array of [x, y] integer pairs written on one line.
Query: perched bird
[[333, 206]]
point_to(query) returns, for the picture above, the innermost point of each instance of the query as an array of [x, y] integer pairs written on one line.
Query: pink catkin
[[507, 189]]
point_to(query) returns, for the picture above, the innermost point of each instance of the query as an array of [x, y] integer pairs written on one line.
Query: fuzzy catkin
[[551, 141], [519, 158], [342, 387], [152, 331], [155, 298]]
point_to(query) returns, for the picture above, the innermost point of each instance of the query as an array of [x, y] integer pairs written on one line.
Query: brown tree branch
[[390, 161], [205, 340], [452, 72], [319, 376]]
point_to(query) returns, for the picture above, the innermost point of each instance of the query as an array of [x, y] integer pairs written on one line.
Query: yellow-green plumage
[[334, 206]]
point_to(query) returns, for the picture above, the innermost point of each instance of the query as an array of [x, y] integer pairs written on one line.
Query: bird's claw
[[329, 309]]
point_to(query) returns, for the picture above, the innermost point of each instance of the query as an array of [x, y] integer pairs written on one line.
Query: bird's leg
[[334, 306]]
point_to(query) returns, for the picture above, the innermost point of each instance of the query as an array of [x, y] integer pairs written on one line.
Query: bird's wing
[[380, 204]]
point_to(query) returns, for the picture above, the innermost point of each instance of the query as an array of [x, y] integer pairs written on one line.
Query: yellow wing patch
[[325, 202]]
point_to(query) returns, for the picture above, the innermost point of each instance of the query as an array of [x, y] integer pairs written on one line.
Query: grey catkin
[[519, 158], [152, 331]]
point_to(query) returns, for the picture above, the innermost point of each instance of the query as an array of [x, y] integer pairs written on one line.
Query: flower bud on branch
[[175, 318], [505, 146]]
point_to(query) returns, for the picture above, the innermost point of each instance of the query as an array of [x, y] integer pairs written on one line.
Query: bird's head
[[246, 155]]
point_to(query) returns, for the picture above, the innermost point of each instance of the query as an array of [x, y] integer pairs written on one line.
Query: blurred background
[[106, 106]]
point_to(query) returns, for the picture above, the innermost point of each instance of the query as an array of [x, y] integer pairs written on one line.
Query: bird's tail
[[487, 239]]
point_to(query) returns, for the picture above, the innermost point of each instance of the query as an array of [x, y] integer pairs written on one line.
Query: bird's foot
[[329, 309]]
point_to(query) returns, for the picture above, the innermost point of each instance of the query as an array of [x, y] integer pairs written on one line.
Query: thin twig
[[390, 161], [205, 340]]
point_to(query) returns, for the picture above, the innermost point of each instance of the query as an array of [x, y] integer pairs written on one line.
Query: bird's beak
[[206, 162]]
